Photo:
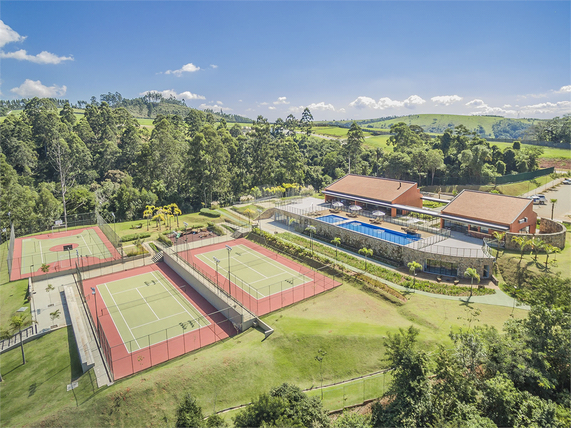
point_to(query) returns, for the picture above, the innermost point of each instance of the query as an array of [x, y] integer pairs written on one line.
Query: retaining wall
[[550, 232]]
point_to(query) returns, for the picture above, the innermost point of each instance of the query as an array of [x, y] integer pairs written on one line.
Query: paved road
[[562, 209]]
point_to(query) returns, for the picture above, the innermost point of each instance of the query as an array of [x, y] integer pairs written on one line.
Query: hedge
[[165, 240], [135, 236], [209, 213]]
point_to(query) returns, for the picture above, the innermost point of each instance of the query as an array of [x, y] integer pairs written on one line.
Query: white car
[[567, 181], [538, 199]]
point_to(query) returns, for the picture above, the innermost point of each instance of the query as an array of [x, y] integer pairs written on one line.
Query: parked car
[[567, 181], [538, 199]]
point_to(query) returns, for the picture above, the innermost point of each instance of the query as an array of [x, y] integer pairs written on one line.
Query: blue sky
[[344, 60]]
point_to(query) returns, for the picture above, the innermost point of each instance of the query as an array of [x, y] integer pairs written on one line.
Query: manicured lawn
[[548, 152], [12, 298], [331, 131], [349, 324], [146, 122]]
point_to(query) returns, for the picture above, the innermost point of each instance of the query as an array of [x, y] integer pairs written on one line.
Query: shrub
[[209, 213], [215, 228], [135, 236], [154, 247], [165, 240]]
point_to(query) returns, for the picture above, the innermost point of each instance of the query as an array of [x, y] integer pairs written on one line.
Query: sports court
[[61, 251], [148, 315], [260, 279], [144, 306], [259, 275]]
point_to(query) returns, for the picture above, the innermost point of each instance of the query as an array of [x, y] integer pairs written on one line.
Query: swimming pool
[[380, 232], [331, 218]]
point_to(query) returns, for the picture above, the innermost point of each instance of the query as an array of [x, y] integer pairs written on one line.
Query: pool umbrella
[[337, 204], [355, 208], [378, 213]]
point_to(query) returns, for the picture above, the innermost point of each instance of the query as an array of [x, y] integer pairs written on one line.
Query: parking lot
[[562, 210]]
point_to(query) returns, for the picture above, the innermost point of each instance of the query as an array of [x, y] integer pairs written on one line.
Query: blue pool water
[[380, 232], [331, 218]]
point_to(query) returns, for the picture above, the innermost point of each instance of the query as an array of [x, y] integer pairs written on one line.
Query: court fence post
[[150, 351]]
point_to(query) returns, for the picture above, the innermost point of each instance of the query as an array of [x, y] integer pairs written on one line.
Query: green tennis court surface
[[257, 274], [36, 252], [145, 308]]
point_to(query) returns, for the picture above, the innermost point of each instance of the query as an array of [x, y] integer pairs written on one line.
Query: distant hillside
[[486, 126]]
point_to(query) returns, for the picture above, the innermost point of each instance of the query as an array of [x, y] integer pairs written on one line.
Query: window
[[486, 271], [441, 268], [522, 220]]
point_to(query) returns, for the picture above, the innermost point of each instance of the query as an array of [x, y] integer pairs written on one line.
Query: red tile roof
[[490, 207], [377, 188]]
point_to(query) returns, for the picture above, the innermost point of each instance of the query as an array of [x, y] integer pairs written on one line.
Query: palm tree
[[413, 267], [500, 237], [523, 242], [176, 211], [16, 323], [367, 252], [148, 214], [311, 230], [472, 274], [549, 249], [536, 245], [336, 241], [553, 202]]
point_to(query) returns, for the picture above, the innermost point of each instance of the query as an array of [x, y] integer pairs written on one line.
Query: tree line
[[55, 163]]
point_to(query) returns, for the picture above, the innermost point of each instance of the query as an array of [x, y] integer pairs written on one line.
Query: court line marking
[[41, 251], [88, 247], [121, 313], [160, 319], [153, 273], [147, 303], [267, 259]]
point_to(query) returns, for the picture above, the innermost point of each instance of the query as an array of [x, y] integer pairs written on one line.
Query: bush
[[209, 213], [165, 240], [154, 247], [215, 229], [135, 236]]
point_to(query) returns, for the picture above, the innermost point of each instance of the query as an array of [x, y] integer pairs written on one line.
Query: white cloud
[[321, 106], [476, 103], [446, 99], [281, 100], [295, 109], [31, 88], [385, 102], [271, 108], [341, 110], [219, 102], [214, 107], [7, 35], [213, 66], [364, 102], [507, 105], [167, 93], [41, 58], [187, 68], [264, 103], [564, 89]]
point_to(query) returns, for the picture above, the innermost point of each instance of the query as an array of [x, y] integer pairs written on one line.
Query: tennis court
[[144, 306], [260, 279], [260, 275], [61, 250], [149, 315]]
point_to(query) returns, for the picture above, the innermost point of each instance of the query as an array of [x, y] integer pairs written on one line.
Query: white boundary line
[[41, 251], [153, 273], [207, 262], [121, 313], [160, 319], [147, 303], [88, 247]]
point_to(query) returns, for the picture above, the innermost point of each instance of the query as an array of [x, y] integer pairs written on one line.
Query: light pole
[[114, 229], [95, 297], [229, 282], [217, 263]]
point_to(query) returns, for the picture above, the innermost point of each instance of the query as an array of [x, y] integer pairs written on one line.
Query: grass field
[[39, 250], [235, 371], [143, 307], [12, 298], [259, 275]]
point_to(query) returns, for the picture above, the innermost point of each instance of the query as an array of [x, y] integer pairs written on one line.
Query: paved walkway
[[45, 302], [497, 299]]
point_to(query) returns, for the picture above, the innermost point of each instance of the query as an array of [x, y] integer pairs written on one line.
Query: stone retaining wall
[[550, 232]]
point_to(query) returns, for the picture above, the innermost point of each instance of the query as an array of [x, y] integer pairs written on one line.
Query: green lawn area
[[331, 131], [349, 324], [146, 122], [548, 152], [12, 298], [253, 207]]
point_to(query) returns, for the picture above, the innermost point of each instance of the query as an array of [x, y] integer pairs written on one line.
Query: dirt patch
[[557, 163], [192, 236]]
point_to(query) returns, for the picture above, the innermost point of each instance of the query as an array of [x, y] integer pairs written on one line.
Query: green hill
[[486, 126]]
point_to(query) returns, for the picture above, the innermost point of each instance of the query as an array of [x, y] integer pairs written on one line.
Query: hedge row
[[135, 236], [209, 213]]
